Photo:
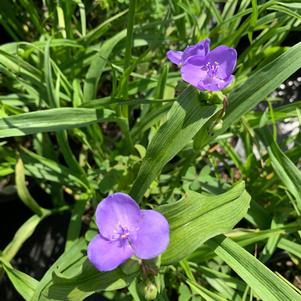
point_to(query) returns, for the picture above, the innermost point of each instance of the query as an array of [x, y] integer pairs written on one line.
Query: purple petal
[[200, 49], [226, 58], [152, 236], [214, 84], [107, 255], [192, 71], [118, 209], [175, 56]]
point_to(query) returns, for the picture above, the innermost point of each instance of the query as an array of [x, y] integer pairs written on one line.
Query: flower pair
[[205, 69]]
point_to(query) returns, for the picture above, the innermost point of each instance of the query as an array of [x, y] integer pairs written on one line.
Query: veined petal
[[116, 211], [200, 49], [175, 56], [193, 70], [107, 255], [214, 84], [152, 236], [225, 58]]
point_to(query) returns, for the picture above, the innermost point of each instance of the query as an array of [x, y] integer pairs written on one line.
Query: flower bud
[[148, 290], [217, 97], [217, 126]]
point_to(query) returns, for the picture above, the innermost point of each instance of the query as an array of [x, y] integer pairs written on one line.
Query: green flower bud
[[217, 126], [148, 290]]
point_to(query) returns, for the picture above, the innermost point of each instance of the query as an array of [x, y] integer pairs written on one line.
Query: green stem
[[129, 38]]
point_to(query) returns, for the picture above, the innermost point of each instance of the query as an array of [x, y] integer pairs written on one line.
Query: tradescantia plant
[[173, 181]]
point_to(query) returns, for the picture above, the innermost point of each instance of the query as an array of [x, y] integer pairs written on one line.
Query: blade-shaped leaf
[[262, 280], [68, 263], [23, 233], [23, 192], [50, 120], [185, 118], [86, 283], [23, 283], [97, 65], [199, 217], [72, 277], [286, 170]]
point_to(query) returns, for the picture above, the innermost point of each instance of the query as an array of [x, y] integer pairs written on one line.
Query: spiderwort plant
[[205, 69], [125, 231]]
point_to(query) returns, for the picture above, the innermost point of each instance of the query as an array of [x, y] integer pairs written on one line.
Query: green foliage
[[89, 106], [198, 217], [264, 282]]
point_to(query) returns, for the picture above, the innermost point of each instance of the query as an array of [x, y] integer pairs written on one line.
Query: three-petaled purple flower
[[126, 230], [205, 69]]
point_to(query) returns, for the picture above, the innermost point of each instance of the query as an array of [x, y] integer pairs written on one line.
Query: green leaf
[[286, 170], [50, 120], [185, 118], [262, 83], [68, 263], [199, 217], [86, 283], [23, 233], [97, 65], [46, 169], [75, 224], [213, 10], [290, 247], [129, 33], [53, 100], [245, 239], [148, 121], [263, 281], [205, 293], [95, 33], [23, 283], [72, 277], [23, 192]]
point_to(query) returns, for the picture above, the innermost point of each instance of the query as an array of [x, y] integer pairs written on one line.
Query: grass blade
[[263, 281]]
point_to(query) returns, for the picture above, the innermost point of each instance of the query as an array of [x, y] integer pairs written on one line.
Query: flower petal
[[118, 209], [200, 49], [152, 236], [175, 56], [107, 255], [214, 84], [192, 71], [226, 58]]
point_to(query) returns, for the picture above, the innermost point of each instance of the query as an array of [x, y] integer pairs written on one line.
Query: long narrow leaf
[[263, 281], [186, 117], [50, 120], [199, 217]]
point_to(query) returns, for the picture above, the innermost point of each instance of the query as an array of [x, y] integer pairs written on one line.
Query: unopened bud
[[216, 97], [148, 290], [217, 126]]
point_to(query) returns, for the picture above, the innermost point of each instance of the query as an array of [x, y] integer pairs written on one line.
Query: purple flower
[[180, 57], [125, 230], [210, 70]]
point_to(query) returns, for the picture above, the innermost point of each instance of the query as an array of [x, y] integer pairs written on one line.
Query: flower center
[[212, 68], [123, 234]]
